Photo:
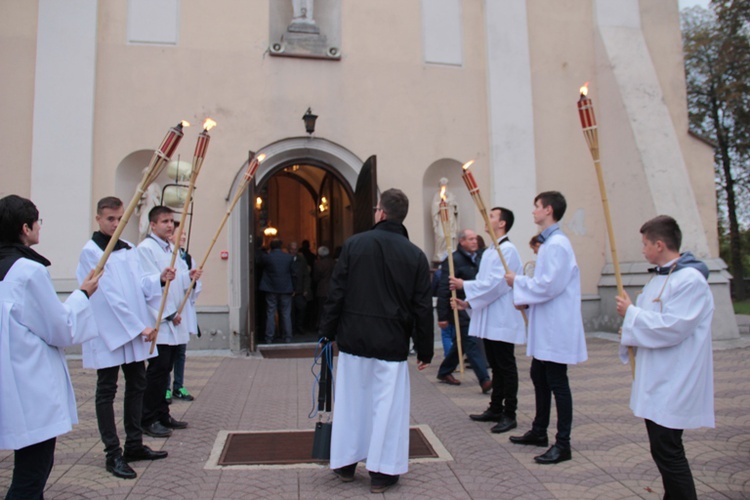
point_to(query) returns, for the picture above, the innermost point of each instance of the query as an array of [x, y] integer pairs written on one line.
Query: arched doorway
[[303, 169]]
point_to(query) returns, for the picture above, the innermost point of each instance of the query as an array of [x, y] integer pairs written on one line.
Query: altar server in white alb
[[670, 329], [125, 335], [494, 319], [37, 402], [155, 252], [552, 298]]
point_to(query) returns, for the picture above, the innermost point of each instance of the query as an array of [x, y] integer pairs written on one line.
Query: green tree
[[716, 45]]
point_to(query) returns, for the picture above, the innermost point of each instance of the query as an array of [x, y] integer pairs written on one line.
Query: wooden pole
[[591, 134], [444, 218]]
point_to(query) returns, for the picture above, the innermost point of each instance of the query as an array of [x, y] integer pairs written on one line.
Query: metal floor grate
[[294, 447]]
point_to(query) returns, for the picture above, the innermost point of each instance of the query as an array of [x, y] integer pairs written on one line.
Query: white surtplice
[[493, 316], [119, 307], [673, 383], [37, 401], [371, 414]]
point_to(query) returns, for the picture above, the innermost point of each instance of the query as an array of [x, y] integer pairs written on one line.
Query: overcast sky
[[690, 3]]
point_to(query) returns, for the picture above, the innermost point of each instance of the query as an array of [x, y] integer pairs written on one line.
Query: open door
[[254, 244], [365, 195]]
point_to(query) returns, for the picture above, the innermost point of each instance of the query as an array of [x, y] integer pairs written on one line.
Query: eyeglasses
[[375, 209], [39, 221]]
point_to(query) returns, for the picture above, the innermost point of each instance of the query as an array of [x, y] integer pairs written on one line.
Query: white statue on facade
[[149, 199], [302, 17], [441, 250]]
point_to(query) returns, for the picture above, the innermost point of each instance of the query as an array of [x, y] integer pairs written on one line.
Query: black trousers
[[669, 454], [155, 407], [502, 360], [106, 388], [552, 378], [31, 468]]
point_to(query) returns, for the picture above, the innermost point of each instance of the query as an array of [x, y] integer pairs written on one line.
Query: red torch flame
[[471, 182], [586, 108]]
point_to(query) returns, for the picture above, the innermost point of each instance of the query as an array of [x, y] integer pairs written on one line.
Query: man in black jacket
[[276, 282], [379, 298], [465, 266]]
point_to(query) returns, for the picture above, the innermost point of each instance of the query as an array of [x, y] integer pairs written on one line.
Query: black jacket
[[277, 269], [379, 296], [464, 269]]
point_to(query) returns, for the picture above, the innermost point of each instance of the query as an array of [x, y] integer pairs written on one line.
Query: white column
[[511, 114], [62, 148], [629, 60]]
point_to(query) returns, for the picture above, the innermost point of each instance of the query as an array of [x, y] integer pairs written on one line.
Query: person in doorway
[[125, 336], [276, 282], [496, 321], [378, 300], [322, 271], [37, 402], [670, 329], [552, 298], [465, 266], [302, 283]]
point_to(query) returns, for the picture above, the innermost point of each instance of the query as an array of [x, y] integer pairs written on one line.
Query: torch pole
[[591, 134], [444, 218]]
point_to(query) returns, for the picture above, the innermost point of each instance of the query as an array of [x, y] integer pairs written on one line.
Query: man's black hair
[[14, 213]]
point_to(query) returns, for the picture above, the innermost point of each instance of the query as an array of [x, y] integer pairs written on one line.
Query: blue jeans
[[179, 369], [447, 335], [472, 349], [282, 301]]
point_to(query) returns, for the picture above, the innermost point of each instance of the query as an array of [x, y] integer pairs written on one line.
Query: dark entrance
[[304, 201]]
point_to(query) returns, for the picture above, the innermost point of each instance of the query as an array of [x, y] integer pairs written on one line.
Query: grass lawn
[[742, 307]]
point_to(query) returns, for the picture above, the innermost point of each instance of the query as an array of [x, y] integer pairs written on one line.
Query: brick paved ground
[[610, 449]]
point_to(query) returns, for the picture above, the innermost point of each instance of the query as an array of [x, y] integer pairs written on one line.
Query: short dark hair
[[534, 241], [14, 213], [276, 244], [664, 228], [110, 202], [157, 211], [395, 204], [556, 200], [507, 216]]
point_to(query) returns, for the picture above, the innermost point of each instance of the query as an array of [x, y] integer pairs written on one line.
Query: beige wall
[[380, 98]]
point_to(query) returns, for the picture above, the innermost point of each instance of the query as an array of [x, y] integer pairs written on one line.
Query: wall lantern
[[309, 119]]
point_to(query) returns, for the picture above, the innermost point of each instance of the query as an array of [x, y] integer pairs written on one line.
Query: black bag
[[322, 437]]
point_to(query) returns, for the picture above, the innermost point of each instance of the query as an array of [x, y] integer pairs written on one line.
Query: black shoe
[[119, 468], [171, 423], [504, 425], [530, 438], [144, 453], [346, 473], [381, 482], [554, 455], [487, 416], [156, 430]]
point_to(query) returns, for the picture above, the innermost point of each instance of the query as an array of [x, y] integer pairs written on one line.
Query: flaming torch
[[591, 133], [200, 153], [473, 187], [445, 220], [159, 159], [252, 167]]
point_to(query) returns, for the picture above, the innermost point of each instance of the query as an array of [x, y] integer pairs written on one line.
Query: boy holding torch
[[670, 328], [556, 339]]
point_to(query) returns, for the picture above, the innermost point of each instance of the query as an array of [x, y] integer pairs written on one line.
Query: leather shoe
[[144, 453], [486, 386], [554, 455], [487, 416], [448, 379], [530, 438], [346, 473], [171, 423], [504, 425], [380, 482], [156, 430], [119, 468]]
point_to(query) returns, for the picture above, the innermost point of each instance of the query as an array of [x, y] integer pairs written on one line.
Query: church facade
[[405, 92]]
